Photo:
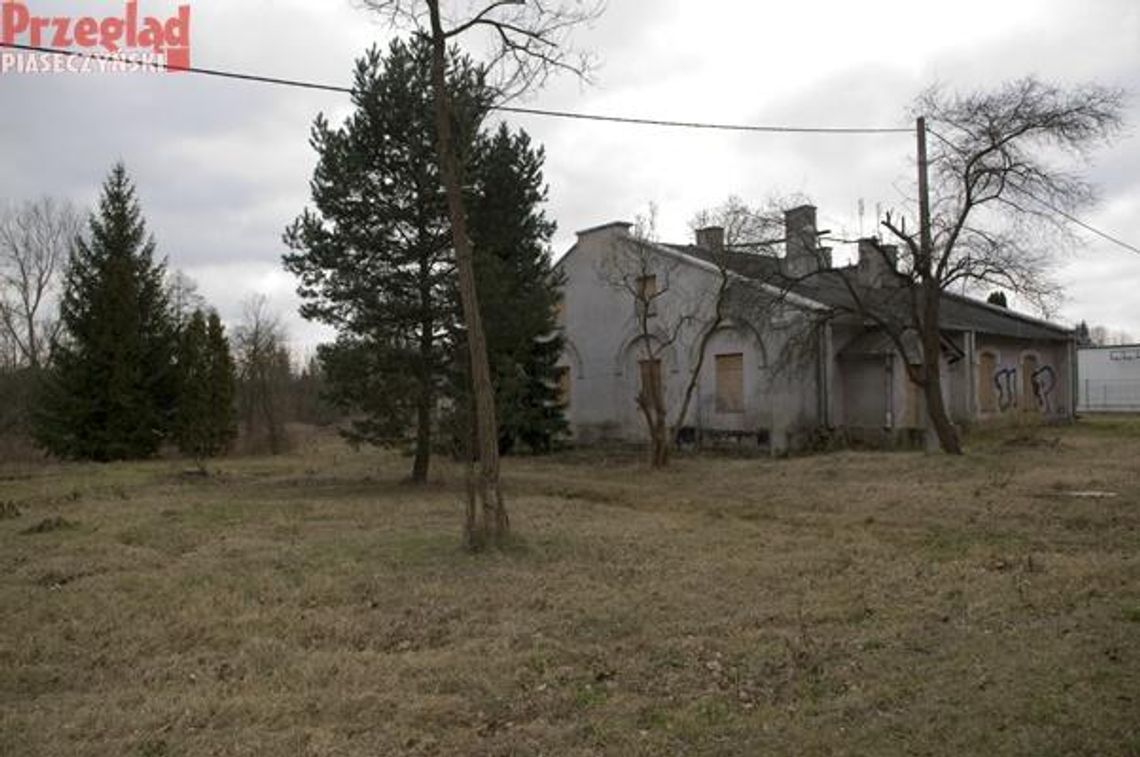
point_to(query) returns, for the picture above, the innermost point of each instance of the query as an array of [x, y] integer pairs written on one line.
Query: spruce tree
[[222, 380], [518, 291], [191, 428], [204, 420], [110, 389]]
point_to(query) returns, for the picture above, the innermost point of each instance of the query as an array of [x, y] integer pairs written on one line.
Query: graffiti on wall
[[1042, 382], [1006, 382]]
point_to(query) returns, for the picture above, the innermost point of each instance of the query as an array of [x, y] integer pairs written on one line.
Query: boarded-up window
[[912, 413], [647, 294], [650, 371], [562, 376], [730, 383], [987, 389], [1029, 401]]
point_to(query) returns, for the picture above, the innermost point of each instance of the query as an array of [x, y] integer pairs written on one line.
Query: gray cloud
[[222, 167]]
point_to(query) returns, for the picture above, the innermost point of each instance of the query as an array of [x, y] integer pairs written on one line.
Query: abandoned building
[[788, 357]]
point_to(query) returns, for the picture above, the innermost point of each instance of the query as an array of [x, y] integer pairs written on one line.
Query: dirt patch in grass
[[313, 604], [1033, 441], [48, 525]]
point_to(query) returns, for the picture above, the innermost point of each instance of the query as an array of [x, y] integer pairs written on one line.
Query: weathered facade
[[786, 363], [604, 349]]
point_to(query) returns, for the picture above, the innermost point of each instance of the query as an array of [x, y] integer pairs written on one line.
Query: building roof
[[1111, 346], [839, 288], [963, 313]]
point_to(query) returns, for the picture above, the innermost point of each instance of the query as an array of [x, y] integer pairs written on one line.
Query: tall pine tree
[[374, 254], [375, 260], [110, 390]]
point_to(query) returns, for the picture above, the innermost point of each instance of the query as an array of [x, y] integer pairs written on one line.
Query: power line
[[1073, 219], [1050, 206], [300, 84], [701, 125], [318, 86]]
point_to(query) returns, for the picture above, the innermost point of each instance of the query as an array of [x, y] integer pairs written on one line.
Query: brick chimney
[[711, 238], [804, 255], [877, 263]]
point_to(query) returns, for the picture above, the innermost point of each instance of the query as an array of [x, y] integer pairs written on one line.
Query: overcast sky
[[222, 167]]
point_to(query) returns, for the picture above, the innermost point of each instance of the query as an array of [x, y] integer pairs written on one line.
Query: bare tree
[[665, 316], [9, 352], [35, 240], [185, 299], [996, 181], [752, 236], [992, 217], [263, 371], [753, 228], [528, 43], [1102, 336]]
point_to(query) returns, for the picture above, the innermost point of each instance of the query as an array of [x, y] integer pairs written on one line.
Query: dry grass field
[[850, 603]]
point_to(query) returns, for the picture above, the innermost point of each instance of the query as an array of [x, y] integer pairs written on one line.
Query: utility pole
[[925, 243], [938, 423]]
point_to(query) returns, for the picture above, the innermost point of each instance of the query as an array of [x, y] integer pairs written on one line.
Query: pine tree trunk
[[422, 459], [494, 526]]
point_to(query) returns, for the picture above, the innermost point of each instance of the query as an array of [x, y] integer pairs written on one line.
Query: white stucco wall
[[603, 349]]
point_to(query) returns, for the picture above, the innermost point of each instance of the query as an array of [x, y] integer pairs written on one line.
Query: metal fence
[[1112, 396]]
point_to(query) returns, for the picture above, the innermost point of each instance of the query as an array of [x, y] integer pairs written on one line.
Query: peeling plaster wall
[[1022, 376], [603, 352]]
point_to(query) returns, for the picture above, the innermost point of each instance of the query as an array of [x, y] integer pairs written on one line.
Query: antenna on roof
[[861, 210]]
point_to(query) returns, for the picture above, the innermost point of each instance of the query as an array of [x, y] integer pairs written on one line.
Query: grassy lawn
[[853, 603]]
